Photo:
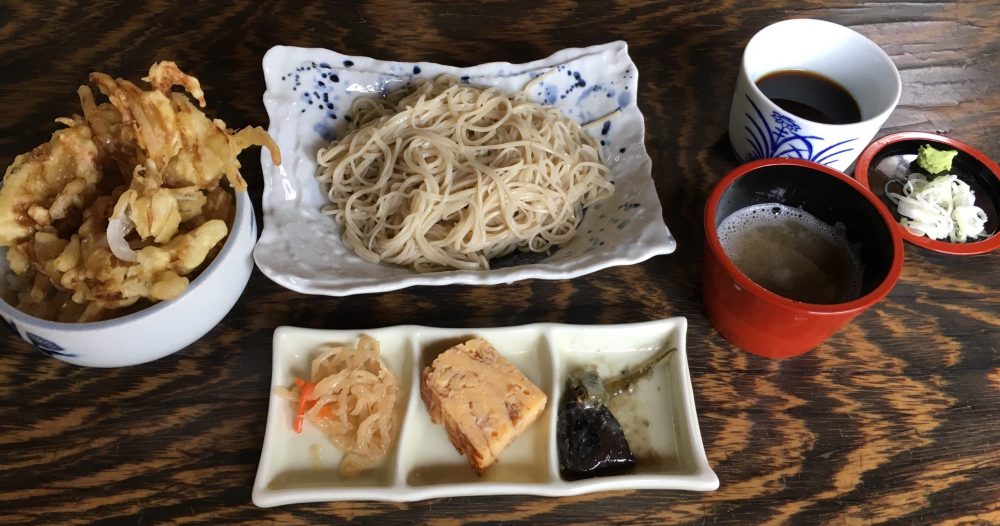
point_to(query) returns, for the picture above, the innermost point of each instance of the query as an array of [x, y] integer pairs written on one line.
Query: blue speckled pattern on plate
[[309, 92]]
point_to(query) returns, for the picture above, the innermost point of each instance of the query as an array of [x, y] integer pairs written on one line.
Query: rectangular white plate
[[310, 90], [424, 465]]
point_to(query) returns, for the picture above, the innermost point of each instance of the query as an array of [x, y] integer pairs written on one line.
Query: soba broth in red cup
[[793, 251]]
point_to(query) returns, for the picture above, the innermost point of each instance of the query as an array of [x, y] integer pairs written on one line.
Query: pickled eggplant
[[590, 439]]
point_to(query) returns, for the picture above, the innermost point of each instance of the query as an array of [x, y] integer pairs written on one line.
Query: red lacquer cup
[[762, 322]]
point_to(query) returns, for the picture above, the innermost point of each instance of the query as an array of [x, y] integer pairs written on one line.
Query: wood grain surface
[[896, 419]]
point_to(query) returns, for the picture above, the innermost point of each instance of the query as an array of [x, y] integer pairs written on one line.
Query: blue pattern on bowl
[[322, 87], [784, 139], [47, 346]]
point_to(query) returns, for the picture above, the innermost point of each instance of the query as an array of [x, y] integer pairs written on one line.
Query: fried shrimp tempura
[[123, 205]]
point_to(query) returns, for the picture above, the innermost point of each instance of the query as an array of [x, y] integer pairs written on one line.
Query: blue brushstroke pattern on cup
[[783, 139]]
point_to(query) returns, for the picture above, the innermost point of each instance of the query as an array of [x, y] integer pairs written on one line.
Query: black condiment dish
[[879, 161]]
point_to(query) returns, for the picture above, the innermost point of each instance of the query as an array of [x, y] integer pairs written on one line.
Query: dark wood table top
[[895, 419]]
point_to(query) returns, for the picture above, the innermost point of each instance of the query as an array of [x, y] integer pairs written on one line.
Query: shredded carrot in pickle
[[305, 390]]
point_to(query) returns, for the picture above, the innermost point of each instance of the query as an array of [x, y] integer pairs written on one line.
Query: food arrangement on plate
[[351, 397], [940, 207], [951, 205], [135, 218], [485, 411], [545, 175]]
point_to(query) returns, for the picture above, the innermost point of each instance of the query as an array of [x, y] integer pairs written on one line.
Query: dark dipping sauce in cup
[[810, 96]]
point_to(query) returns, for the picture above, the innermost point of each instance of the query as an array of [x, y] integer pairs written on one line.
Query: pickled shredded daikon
[[351, 397], [943, 207]]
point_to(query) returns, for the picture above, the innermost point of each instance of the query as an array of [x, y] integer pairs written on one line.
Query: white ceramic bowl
[[159, 330]]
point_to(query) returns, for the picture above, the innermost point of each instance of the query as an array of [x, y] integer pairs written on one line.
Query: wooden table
[[896, 418]]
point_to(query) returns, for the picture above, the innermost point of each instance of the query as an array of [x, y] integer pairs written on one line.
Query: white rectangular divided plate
[[424, 465]]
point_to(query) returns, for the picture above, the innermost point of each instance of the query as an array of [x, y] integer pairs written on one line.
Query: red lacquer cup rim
[[873, 297], [863, 166]]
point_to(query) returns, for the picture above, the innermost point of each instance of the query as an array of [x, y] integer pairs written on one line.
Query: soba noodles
[[445, 175], [351, 397]]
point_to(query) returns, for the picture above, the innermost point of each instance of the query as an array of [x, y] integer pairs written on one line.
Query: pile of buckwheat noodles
[[446, 175]]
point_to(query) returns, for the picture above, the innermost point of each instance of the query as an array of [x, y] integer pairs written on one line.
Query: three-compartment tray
[[658, 416]]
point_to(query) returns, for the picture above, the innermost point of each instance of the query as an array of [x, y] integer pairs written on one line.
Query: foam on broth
[[792, 253]]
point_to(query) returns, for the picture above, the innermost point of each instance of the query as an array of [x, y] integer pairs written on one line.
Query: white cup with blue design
[[813, 90]]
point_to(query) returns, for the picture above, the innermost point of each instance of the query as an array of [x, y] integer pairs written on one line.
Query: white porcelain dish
[[156, 331], [659, 417], [308, 92]]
